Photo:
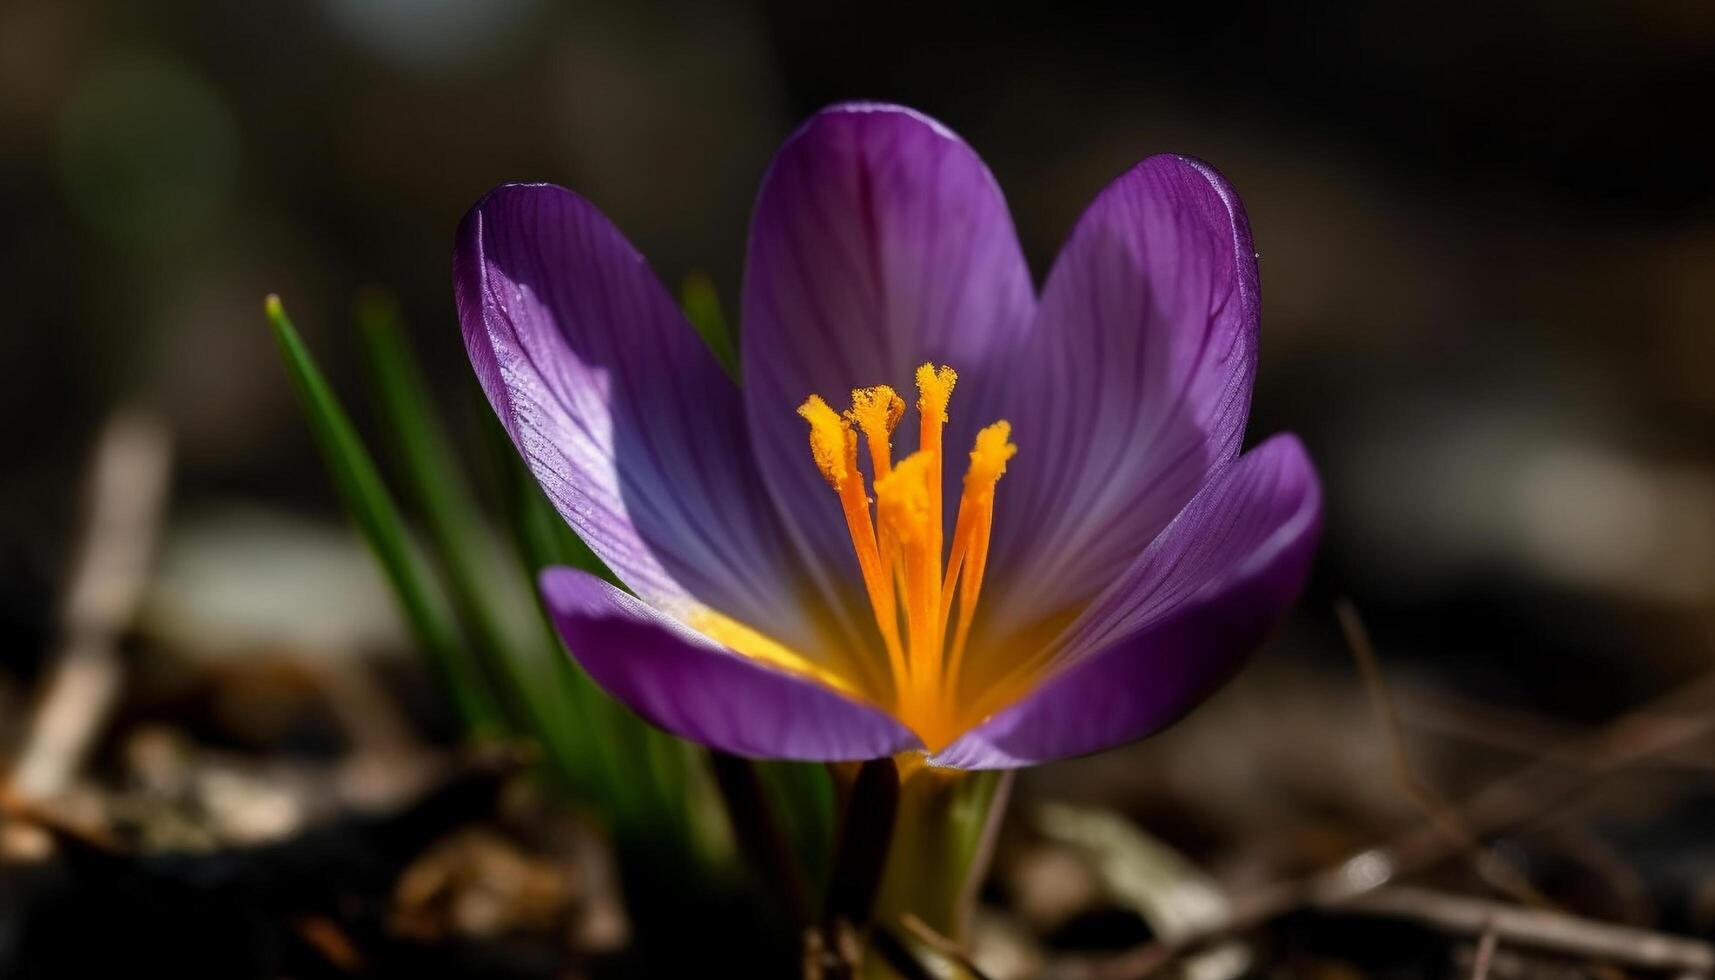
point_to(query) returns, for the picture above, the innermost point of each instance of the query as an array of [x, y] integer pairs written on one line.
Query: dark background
[[1487, 239]]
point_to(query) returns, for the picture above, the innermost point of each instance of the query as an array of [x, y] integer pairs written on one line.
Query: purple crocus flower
[[1108, 558]]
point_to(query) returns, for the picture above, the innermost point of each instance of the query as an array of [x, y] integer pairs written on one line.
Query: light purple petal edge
[[621, 412]]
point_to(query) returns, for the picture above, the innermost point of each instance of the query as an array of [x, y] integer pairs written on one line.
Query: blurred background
[[1487, 240]]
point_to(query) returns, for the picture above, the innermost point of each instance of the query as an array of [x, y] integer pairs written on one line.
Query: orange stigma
[[900, 549]]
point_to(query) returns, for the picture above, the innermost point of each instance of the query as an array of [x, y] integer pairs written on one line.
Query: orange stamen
[[900, 551], [834, 447]]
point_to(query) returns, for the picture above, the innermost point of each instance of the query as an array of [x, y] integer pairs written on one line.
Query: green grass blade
[[803, 794], [623, 770], [607, 756], [372, 509], [652, 781], [656, 786], [484, 589]]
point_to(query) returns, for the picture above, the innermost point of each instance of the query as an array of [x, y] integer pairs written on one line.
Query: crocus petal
[[683, 682], [1179, 621], [619, 409], [880, 241], [1134, 384]]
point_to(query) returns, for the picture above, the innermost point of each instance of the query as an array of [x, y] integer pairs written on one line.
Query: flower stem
[[915, 840], [942, 844]]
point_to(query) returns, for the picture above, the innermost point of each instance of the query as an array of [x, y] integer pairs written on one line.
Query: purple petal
[[620, 410], [1179, 621], [695, 688], [1134, 385], [879, 242]]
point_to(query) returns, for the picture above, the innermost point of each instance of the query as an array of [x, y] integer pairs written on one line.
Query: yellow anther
[[832, 444], [876, 413], [934, 391], [988, 459], [902, 499], [876, 409]]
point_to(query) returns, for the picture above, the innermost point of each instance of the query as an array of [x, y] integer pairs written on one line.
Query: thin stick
[[1485, 952], [1556, 932], [897, 954], [128, 492], [1499, 874], [1516, 732], [1648, 732], [945, 945]]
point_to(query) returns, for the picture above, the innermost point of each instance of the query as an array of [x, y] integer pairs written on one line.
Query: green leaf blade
[[360, 488]]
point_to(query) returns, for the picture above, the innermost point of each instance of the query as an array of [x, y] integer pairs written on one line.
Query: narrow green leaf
[[649, 778], [803, 794], [702, 307], [606, 758], [483, 588], [372, 509], [654, 785]]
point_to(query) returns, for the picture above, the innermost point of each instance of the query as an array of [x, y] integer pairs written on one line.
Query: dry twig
[[944, 945], [127, 494], [1498, 873], [1485, 952], [1519, 733], [1556, 932], [1658, 728]]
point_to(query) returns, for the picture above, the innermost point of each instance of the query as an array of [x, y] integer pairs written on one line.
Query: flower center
[[900, 549]]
